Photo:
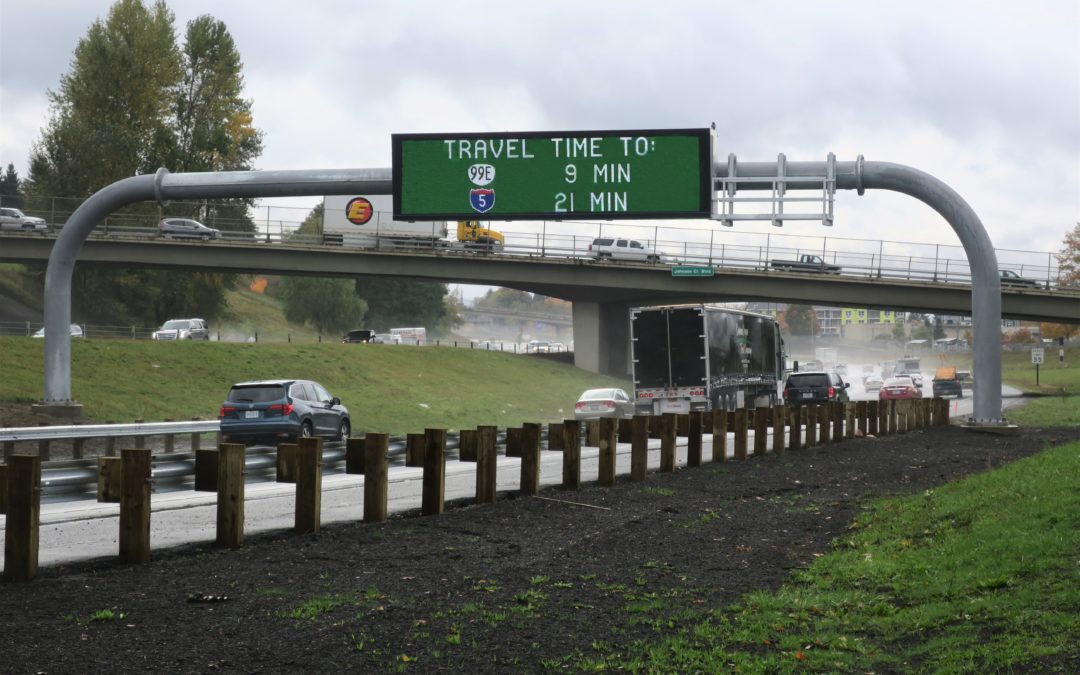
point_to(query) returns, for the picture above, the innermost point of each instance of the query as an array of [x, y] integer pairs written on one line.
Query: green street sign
[[692, 271], [553, 175]]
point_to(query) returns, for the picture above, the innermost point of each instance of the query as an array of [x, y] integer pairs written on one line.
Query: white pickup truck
[[14, 219]]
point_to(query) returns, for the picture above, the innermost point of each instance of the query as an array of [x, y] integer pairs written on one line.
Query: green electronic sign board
[[612, 175]]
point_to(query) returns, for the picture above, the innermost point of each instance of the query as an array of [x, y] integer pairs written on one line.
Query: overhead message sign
[[612, 175]]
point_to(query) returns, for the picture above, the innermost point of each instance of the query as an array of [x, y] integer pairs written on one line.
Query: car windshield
[[175, 323], [258, 393]]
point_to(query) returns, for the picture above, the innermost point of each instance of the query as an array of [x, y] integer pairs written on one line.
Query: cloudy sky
[[983, 94]]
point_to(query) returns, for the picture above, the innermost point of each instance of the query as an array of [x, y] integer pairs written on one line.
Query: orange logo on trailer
[[359, 211]]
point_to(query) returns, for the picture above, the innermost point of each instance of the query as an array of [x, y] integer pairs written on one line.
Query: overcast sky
[[985, 95]]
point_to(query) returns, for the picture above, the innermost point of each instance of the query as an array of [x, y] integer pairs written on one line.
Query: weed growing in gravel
[[318, 605], [100, 616], [659, 492]]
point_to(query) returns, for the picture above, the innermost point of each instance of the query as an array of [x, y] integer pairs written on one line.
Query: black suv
[[815, 387]]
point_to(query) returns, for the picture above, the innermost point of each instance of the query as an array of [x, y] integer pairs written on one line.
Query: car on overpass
[[14, 219], [618, 248], [1014, 280], [186, 228]]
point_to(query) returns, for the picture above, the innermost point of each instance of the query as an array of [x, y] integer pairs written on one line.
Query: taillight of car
[[579, 405], [610, 405], [225, 410], [283, 408], [832, 392], [787, 392]]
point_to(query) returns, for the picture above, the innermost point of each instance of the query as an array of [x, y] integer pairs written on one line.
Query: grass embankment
[[392, 389], [975, 576]]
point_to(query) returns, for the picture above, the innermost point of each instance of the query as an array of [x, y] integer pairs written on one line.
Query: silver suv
[[622, 249], [14, 219], [183, 329]]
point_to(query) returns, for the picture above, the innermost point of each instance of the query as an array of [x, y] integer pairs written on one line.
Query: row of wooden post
[[127, 479]]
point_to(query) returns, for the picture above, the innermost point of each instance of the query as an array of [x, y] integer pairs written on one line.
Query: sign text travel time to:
[[553, 175]]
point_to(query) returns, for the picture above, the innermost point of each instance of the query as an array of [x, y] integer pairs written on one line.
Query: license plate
[[808, 394], [249, 414]]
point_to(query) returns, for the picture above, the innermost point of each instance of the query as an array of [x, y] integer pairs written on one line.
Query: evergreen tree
[[132, 102], [11, 188]]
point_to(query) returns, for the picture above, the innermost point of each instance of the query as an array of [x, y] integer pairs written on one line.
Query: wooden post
[[779, 421], [555, 436], [230, 499], [3, 488], [110, 479], [285, 463], [740, 433], [682, 424], [530, 459], [467, 445], [719, 435], [795, 427], [639, 447], [43, 445], [848, 411], [414, 450], [206, 461], [135, 505], [860, 417], [838, 414], [196, 438], [486, 458], [170, 441], [824, 411], [607, 444], [626, 433], [693, 439], [9, 448], [23, 517], [308, 485], [376, 471], [668, 422], [571, 463], [592, 433], [354, 455], [890, 417], [761, 430], [433, 498], [810, 413], [110, 443], [873, 413], [513, 441]]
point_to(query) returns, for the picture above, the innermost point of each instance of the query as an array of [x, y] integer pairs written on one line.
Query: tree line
[[136, 98]]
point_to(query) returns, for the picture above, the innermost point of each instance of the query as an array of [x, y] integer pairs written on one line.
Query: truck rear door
[[669, 348]]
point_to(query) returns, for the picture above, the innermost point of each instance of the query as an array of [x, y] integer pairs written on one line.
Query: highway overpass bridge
[[601, 292]]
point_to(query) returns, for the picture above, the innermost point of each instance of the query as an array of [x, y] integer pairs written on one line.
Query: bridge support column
[[602, 337]]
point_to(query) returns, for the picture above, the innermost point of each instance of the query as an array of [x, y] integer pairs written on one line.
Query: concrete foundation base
[[1000, 428], [63, 409]]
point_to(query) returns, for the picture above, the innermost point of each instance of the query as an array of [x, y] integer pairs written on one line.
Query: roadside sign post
[[1037, 358]]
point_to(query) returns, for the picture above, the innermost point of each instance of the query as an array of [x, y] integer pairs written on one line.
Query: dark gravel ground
[[511, 587]]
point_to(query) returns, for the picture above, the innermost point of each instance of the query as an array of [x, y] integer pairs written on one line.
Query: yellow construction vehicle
[[470, 233]]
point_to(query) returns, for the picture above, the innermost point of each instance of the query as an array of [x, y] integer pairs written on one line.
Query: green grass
[[976, 576], [392, 389]]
